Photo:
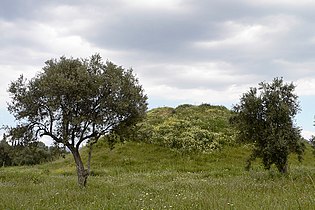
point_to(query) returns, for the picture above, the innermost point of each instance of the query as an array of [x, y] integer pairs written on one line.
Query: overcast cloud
[[183, 51]]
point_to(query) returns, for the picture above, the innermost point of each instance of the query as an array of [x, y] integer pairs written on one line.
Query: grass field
[[143, 176]]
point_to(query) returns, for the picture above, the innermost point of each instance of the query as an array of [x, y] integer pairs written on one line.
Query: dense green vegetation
[[265, 118], [150, 175], [188, 128], [19, 153]]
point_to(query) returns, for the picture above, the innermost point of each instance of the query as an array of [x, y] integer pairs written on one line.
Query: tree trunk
[[81, 171], [283, 167]]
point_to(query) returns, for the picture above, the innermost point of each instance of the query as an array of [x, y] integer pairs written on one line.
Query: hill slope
[[146, 176], [188, 128], [142, 175], [138, 175]]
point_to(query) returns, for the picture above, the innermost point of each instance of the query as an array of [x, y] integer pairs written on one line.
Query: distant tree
[[75, 101], [5, 152], [56, 151], [36, 153], [265, 118], [312, 142], [29, 153]]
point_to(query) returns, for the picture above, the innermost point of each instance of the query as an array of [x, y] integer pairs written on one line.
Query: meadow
[[138, 175]]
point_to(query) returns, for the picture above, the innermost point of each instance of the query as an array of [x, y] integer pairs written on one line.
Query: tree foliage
[[75, 101], [265, 118], [31, 153], [5, 153]]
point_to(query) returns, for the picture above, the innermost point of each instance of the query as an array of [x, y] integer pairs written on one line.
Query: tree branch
[[55, 138]]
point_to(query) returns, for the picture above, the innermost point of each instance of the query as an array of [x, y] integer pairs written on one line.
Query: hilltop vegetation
[[188, 128]]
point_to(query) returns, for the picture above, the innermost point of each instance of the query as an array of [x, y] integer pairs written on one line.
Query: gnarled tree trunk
[[81, 171]]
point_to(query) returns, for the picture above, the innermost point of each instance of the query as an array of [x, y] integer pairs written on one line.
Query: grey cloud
[[159, 33], [164, 37], [12, 10], [17, 9], [167, 36]]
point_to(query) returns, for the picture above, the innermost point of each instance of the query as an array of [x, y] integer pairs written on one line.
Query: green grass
[[144, 176]]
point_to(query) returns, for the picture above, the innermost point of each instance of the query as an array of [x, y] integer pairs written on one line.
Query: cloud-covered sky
[[183, 51]]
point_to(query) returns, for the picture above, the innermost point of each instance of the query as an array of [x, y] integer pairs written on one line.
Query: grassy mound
[[188, 128]]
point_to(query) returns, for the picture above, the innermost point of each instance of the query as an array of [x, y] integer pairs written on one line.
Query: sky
[[182, 51]]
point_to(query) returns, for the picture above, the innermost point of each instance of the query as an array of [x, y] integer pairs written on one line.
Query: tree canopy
[[75, 101], [28, 154], [265, 118]]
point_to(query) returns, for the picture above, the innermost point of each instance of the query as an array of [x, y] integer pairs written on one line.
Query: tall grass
[[143, 176]]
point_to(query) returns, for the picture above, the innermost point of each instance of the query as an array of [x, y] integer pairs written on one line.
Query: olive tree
[[265, 118], [76, 101]]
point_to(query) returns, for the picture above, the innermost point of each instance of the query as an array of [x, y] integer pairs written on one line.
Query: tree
[[56, 151], [27, 153], [265, 118], [76, 101], [312, 143], [5, 152]]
